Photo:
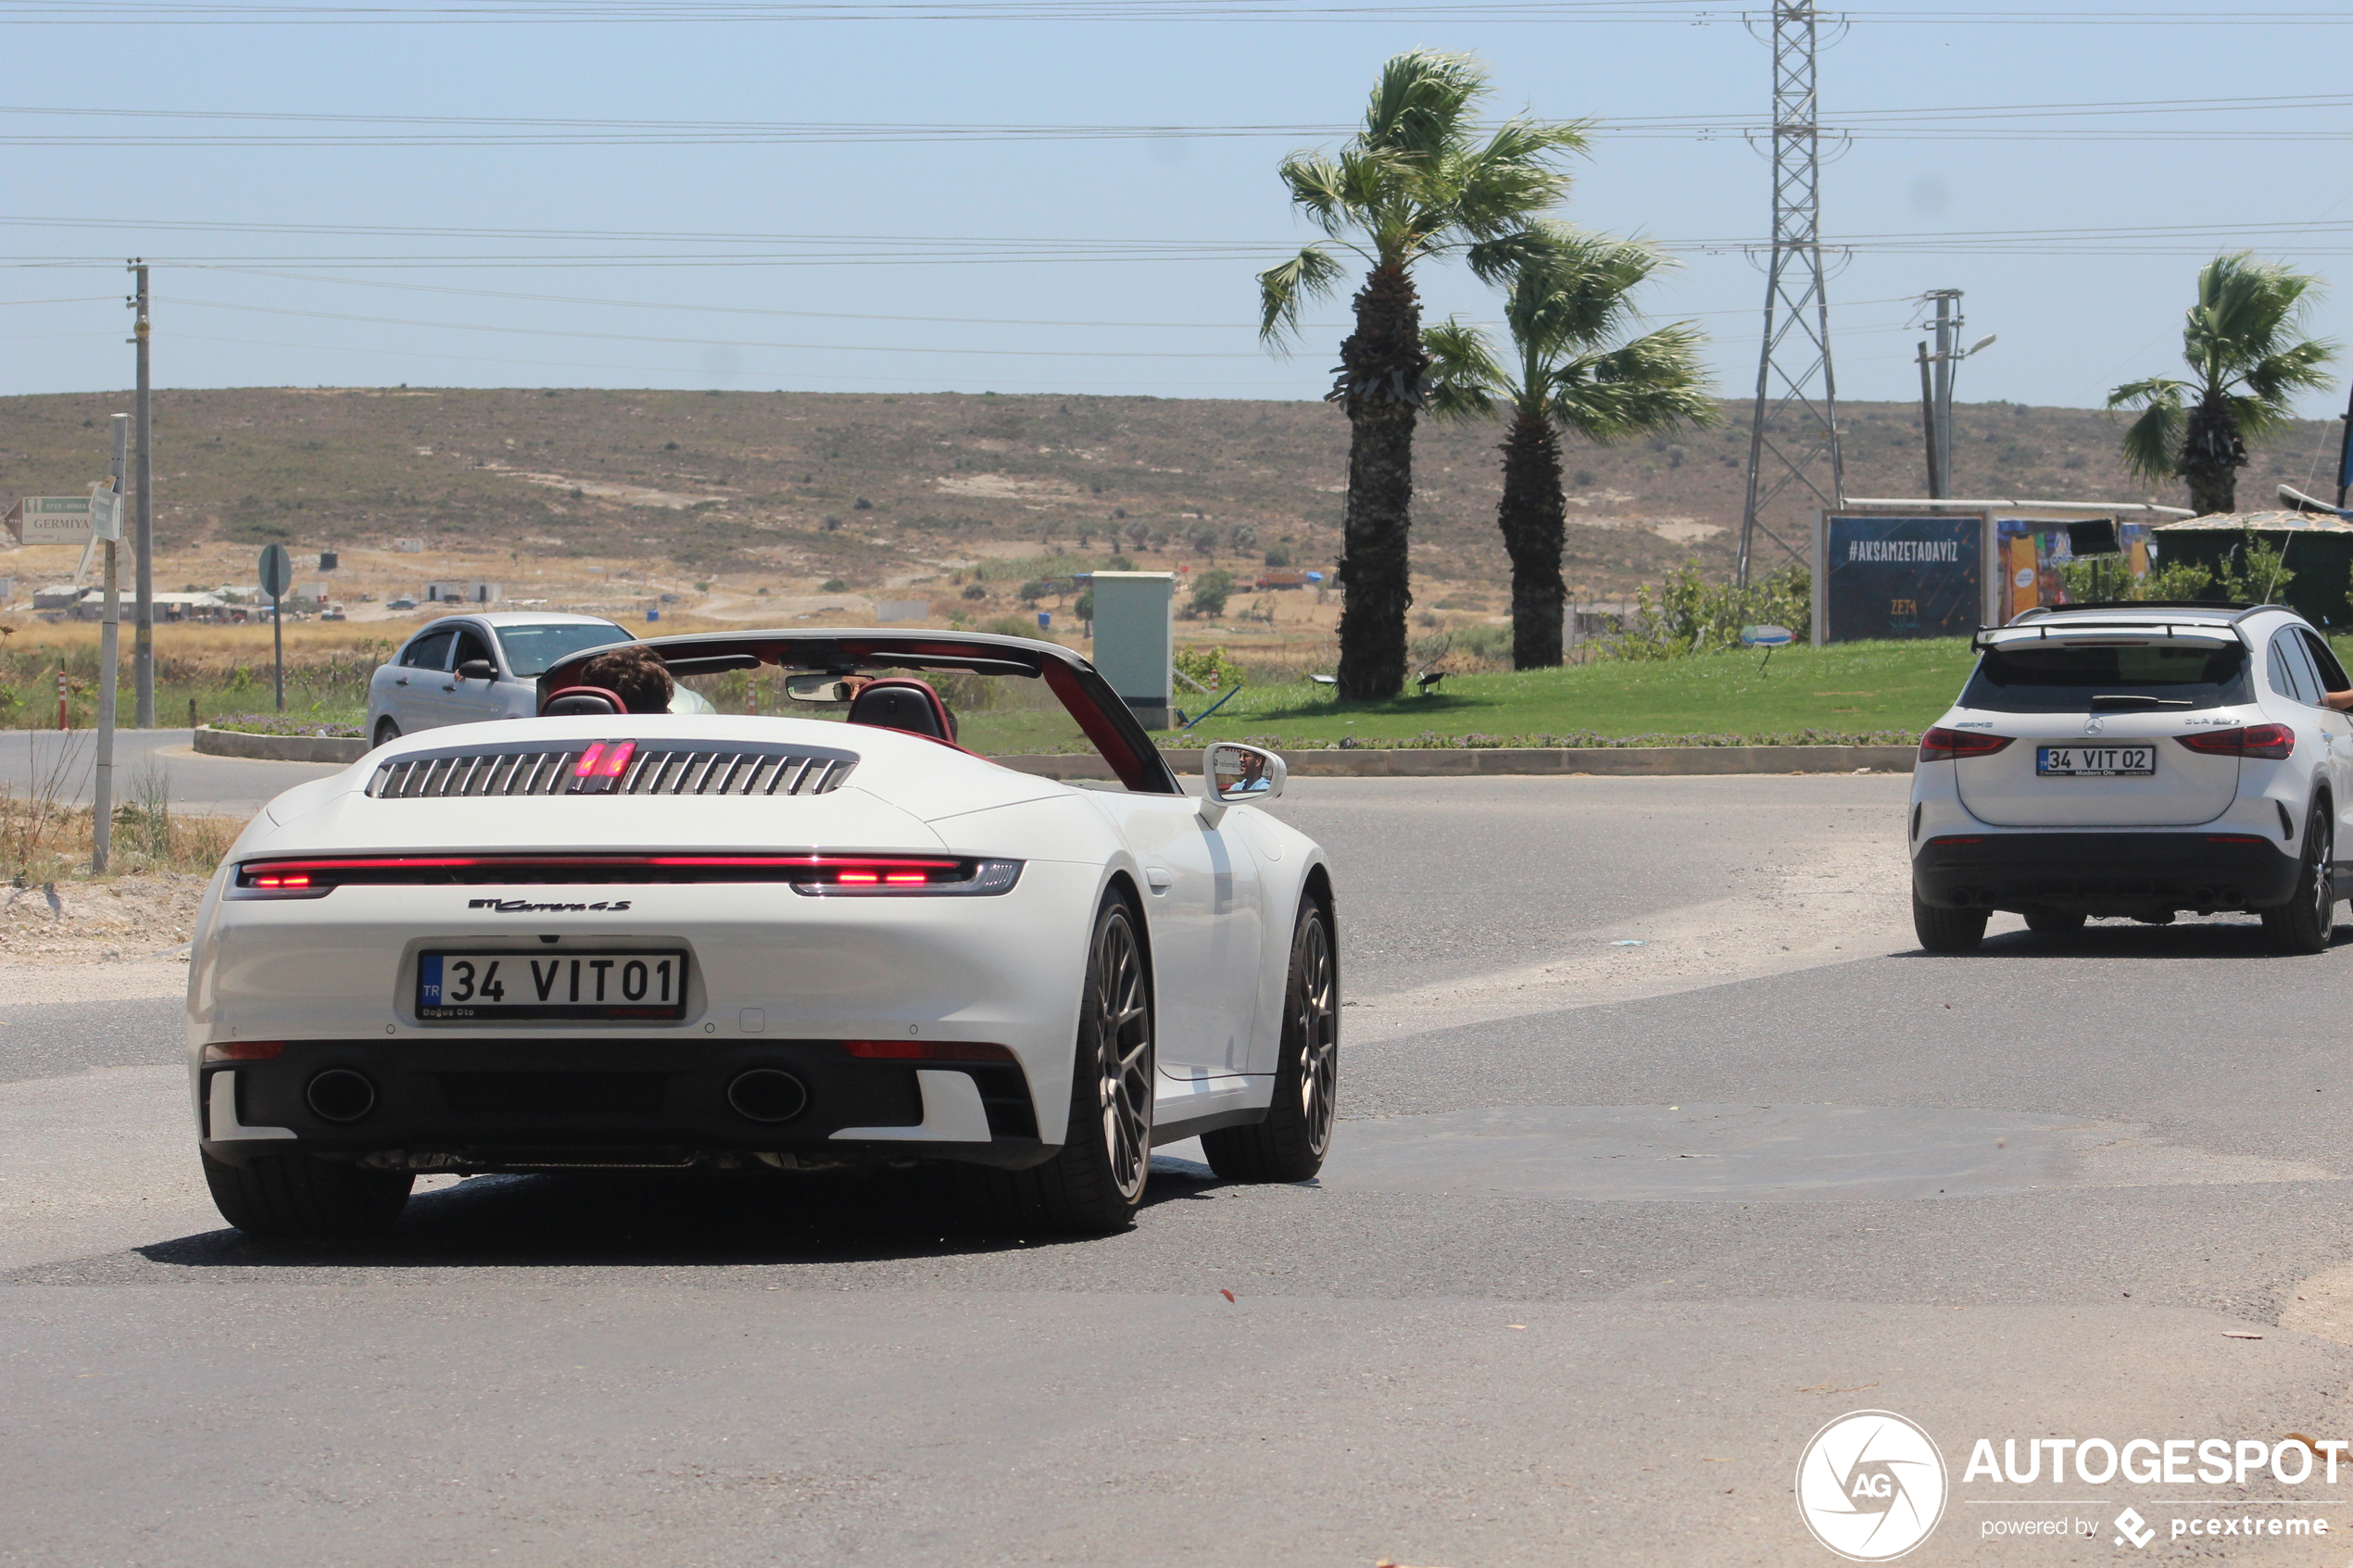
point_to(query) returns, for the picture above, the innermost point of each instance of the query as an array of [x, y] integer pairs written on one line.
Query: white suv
[[2136, 760]]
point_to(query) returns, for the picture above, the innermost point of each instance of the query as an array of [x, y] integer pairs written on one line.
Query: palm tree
[[1568, 302], [1415, 183], [2245, 344]]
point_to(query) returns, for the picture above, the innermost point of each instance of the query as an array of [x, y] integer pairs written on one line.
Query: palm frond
[[1312, 274], [1499, 186], [1318, 187], [1574, 288], [1419, 105], [2152, 446], [1465, 378], [1656, 382]]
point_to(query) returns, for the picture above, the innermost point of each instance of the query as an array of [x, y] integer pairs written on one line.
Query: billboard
[[2032, 548], [1898, 577]]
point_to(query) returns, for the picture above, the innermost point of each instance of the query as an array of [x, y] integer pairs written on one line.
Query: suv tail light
[[1941, 745], [2274, 741]]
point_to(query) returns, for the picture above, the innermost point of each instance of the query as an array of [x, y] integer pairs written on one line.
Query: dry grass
[[45, 838]]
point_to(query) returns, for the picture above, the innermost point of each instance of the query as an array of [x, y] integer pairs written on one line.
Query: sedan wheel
[[1290, 1143], [387, 731], [1095, 1183]]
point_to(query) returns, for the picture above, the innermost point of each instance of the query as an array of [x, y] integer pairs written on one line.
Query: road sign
[[105, 513], [277, 571], [1766, 636], [50, 520]]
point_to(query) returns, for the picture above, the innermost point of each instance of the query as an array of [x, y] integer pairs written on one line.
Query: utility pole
[[143, 538], [1948, 336], [109, 659], [1793, 442], [1928, 429]]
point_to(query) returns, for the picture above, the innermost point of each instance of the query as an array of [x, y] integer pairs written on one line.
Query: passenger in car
[[635, 674]]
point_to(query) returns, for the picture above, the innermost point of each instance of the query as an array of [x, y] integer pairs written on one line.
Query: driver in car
[[634, 674]]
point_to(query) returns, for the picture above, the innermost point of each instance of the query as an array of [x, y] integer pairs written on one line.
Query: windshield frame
[[1111, 726]]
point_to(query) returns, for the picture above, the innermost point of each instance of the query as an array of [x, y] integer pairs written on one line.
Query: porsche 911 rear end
[[669, 950]]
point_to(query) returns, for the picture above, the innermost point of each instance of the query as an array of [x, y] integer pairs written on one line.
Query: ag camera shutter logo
[[1871, 1486]]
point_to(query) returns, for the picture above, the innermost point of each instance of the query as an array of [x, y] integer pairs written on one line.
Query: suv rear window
[[2065, 680]]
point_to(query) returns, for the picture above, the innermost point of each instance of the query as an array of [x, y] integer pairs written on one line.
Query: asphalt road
[[60, 763], [1578, 1286]]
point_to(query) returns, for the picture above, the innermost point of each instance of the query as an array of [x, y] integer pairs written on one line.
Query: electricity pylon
[[1792, 445]]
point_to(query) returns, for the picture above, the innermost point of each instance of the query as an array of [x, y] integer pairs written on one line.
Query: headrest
[[899, 703], [581, 702]]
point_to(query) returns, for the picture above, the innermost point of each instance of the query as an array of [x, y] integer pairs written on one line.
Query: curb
[[278, 749], [1430, 762]]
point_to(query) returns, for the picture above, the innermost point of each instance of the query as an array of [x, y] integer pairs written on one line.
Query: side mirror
[[1234, 774], [477, 670]]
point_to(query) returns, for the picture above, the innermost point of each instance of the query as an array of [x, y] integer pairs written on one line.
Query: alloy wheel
[[1124, 1048], [1316, 1020]]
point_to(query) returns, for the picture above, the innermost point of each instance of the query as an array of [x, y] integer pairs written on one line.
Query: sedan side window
[[471, 645], [430, 651]]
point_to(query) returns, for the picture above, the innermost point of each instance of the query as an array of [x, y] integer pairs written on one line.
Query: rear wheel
[[294, 1195], [2307, 921], [387, 731], [1947, 931], [1290, 1145], [1095, 1183], [2052, 922]]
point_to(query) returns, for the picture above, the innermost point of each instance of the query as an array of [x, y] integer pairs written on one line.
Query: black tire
[[387, 731], [2053, 922], [1095, 1182], [1947, 931], [1290, 1143], [2308, 921], [294, 1196]]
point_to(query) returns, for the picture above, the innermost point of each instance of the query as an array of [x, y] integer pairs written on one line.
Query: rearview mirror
[[1234, 774], [816, 688], [477, 670]]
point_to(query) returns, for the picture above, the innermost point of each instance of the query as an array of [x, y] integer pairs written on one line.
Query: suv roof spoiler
[[2233, 613]]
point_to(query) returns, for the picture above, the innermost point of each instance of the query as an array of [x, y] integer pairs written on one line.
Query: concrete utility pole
[[109, 669], [1948, 328], [143, 540], [1793, 442], [1928, 428]]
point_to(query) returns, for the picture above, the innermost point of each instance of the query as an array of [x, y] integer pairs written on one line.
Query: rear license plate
[[2095, 761], [625, 984]]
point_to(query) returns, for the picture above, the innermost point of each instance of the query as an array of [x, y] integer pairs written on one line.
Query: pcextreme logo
[[1870, 1486]]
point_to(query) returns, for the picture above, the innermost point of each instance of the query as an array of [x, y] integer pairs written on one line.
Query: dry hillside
[[865, 488]]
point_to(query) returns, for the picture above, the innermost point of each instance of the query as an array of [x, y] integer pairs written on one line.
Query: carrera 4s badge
[[525, 907]]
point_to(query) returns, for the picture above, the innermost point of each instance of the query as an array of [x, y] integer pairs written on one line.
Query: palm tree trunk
[[1381, 386], [2212, 455], [1534, 520]]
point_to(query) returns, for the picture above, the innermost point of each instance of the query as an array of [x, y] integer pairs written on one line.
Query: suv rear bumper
[[2103, 874]]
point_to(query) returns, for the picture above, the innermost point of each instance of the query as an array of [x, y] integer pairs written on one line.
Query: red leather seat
[[581, 702]]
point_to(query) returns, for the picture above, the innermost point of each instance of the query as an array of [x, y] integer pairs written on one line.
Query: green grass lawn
[[1851, 690]]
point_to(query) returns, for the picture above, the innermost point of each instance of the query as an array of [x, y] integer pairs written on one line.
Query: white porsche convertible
[[835, 937]]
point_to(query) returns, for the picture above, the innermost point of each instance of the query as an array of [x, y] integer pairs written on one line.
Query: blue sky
[[2070, 324]]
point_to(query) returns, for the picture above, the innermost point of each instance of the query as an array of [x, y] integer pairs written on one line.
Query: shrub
[[832, 585], [1213, 667], [1211, 590], [1690, 616], [975, 590]]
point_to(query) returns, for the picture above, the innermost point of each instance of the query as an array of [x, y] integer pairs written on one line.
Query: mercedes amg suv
[[2137, 760]]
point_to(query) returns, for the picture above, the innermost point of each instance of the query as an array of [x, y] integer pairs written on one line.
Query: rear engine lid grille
[[613, 767]]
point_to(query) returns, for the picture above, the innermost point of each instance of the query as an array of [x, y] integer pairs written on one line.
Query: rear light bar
[[925, 1050], [813, 874], [1941, 745], [2274, 741], [243, 1050]]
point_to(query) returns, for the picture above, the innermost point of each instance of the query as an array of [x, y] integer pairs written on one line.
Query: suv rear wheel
[[2307, 921], [1947, 931]]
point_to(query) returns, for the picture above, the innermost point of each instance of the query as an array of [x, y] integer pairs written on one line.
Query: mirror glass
[[1239, 773], [816, 688]]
